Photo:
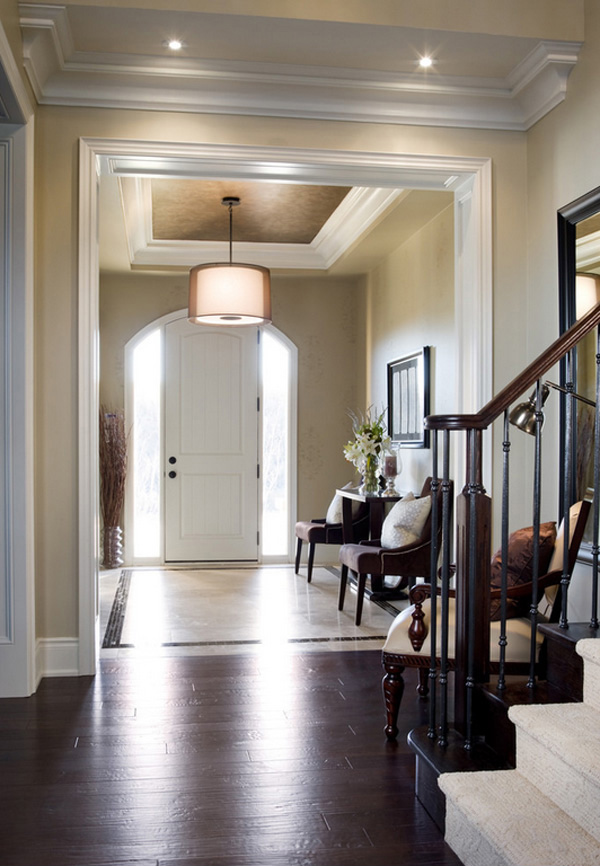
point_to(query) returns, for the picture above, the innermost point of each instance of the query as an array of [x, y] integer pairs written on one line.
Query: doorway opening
[[145, 417]]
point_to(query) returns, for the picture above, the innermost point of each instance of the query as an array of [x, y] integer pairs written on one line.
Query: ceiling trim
[[191, 160], [356, 213], [15, 104], [61, 76]]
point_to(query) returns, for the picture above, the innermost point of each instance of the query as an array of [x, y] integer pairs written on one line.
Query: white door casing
[[416, 171], [211, 443]]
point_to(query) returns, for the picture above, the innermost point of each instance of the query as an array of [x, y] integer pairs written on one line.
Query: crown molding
[[59, 75], [15, 104], [357, 212]]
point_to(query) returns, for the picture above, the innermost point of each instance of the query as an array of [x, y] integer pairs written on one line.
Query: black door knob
[[172, 474], [172, 459]]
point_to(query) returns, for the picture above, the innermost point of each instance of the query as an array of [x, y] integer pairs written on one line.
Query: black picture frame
[[408, 399]]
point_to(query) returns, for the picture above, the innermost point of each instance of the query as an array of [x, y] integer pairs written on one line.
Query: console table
[[376, 503]]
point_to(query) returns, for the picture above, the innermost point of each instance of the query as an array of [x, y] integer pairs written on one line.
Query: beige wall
[[323, 317], [411, 305], [57, 133], [563, 164]]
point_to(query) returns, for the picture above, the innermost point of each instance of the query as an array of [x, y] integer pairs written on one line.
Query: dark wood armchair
[[369, 558], [408, 643]]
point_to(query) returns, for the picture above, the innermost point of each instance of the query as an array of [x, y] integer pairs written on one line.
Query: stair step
[[498, 818], [558, 750], [493, 706], [589, 650]]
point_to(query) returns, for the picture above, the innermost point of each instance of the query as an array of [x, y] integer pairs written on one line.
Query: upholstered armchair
[[408, 643], [328, 530], [404, 549]]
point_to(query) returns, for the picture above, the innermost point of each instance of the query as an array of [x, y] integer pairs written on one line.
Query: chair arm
[[319, 520], [417, 630], [370, 542]]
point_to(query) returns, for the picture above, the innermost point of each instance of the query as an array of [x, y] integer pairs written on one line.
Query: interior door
[[211, 443]]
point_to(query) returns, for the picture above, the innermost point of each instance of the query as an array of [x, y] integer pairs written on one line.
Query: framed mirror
[[579, 291]]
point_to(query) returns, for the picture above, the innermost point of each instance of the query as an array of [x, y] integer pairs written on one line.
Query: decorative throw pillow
[[404, 524], [520, 566], [334, 512]]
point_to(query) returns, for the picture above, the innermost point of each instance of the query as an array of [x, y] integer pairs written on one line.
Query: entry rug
[[183, 618]]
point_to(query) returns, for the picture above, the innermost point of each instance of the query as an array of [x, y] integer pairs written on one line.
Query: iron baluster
[[504, 541], [445, 591], [473, 489], [435, 485], [537, 490], [569, 439]]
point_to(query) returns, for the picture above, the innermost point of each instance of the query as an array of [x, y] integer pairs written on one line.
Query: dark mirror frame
[[568, 217]]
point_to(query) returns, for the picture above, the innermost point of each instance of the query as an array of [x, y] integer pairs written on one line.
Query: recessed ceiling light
[[425, 62], [173, 44]]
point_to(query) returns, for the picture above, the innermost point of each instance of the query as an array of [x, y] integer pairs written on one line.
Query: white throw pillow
[[404, 524], [334, 512]]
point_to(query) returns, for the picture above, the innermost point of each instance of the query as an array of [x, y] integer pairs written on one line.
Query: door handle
[[172, 474], [172, 459]]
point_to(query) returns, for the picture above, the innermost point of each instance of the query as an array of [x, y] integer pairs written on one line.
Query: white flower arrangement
[[369, 438]]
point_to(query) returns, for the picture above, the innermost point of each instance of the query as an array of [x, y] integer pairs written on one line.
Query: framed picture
[[408, 399]]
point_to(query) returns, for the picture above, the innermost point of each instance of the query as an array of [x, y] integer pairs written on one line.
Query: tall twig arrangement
[[113, 465]]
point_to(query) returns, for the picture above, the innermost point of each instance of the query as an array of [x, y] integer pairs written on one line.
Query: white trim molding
[[17, 607], [15, 104], [358, 210], [61, 75], [469, 176], [57, 657]]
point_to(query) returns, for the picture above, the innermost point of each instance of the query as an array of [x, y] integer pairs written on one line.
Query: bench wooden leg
[[393, 689]]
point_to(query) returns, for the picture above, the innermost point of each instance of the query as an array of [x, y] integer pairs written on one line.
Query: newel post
[[473, 554]]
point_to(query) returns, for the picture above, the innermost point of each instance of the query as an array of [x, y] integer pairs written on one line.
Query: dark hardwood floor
[[213, 761]]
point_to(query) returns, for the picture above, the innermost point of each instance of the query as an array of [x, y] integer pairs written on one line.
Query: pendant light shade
[[224, 293]]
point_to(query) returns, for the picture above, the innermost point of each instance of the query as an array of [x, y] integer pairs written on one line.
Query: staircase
[[546, 812]]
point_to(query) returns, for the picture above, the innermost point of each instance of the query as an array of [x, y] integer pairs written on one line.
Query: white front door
[[211, 443]]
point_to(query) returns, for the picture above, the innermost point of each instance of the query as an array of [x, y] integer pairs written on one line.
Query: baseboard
[[56, 657]]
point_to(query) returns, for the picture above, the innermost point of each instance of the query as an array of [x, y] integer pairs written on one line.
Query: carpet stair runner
[[546, 812]]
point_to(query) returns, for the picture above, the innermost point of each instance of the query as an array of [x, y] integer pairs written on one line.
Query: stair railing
[[473, 535]]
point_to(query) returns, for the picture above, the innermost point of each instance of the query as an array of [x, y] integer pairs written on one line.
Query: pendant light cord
[[230, 233]]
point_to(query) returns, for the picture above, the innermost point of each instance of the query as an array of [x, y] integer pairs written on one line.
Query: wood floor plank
[[213, 761]]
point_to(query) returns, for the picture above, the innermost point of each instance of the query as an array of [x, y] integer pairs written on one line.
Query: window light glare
[[425, 62]]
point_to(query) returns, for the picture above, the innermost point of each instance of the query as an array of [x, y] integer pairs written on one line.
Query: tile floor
[[224, 610]]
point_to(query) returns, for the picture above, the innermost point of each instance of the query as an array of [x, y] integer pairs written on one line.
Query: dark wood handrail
[[522, 383]]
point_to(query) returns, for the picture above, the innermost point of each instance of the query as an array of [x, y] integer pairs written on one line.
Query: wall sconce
[[223, 293], [523, 415]]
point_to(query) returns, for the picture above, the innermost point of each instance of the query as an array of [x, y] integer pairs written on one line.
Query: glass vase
[[370, 481]]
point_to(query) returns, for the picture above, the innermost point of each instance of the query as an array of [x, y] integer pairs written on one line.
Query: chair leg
[[423, 687], [343, 582], [360, 595], [298, 555], [311, 559], [393, 689]]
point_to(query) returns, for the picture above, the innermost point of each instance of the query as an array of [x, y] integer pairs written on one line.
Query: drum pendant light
[[224, 293]]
